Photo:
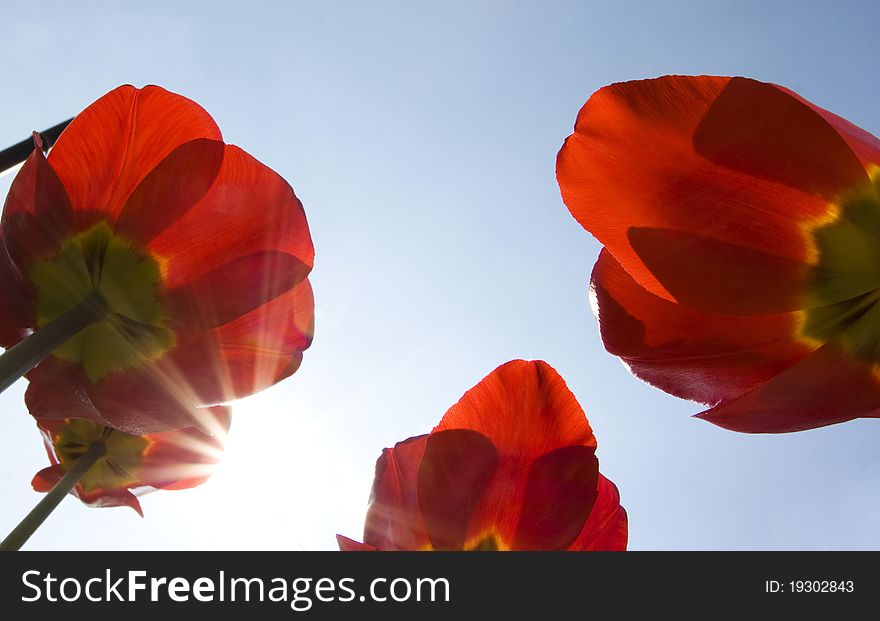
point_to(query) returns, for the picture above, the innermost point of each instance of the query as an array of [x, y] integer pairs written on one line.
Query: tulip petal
[[349, 545], [99, 499], [249, 210], [37, 213], [690, 155], [559, 495], [825, 388], [864, 144], [693, 355], [251, 353], [109, 148], [455, 470], [17, 309], [714, 276], [394, 521], [524, 408], [46, 478], [233, 289], [57, 390], [161, 198], [606, 528], [770, 133], [35, 219], [283, 325], [136, 401]]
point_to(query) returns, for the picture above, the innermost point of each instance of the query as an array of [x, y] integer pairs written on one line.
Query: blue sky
[[422, 137]]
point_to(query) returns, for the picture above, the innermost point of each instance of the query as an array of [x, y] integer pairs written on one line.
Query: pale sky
[[421, 138]]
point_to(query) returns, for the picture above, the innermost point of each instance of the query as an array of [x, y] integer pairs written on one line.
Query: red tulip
[[741, 266], [198, 255], [511, 466], [132, 465]]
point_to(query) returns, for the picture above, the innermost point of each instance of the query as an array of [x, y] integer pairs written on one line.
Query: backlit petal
[[170, 190], [394, 521], [693, 355], [46, 478], [454, 473], [37, 213], [606, 529], [524, 408], [559, 496], [110, 147], [249, 210], [233, 289], [350, 545], [827, 387], [692, 160]]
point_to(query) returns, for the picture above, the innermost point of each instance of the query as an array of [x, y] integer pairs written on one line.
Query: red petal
[[282, 326], [100, 499], [394, 521], [249, 210], [46, 478], [50, 429], [37, 213], [113, 144], [606, 528], [171, 189], [147, 400], [864, 145], [250, 353], [686, 353], [350, 545], [825, 388], [234, 289], [57, 390], [714, 276], [455, 471], [730, 160], [524, 408], [35, 218], [17, 303], [559, 496], [137, 401], [771, 133]]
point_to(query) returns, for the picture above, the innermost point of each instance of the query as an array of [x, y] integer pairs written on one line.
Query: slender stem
[[24, 355], [32, 521], [19, 152]]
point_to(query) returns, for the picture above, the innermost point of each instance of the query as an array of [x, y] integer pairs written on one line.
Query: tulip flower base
[[149, 271], [33, 520], [511, 466], [108, 267], [105, 467], [740, 260], [843, 307], [27, 353], [199, 253]]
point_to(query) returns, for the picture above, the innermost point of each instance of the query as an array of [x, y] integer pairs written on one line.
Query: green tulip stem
[[32, 521], [27, 353]]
